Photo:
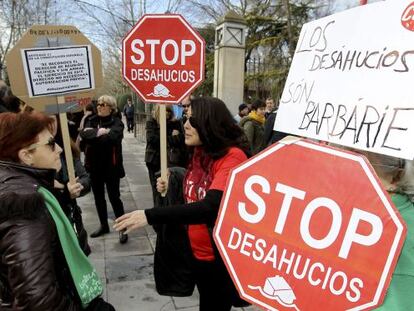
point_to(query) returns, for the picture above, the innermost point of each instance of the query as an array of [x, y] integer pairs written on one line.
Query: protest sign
[[314, 226], [351, 78], [163, 58], [51, 61], [55, 69]]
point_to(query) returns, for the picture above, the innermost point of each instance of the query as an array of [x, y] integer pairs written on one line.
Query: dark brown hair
[[258, 103], [216, 127]]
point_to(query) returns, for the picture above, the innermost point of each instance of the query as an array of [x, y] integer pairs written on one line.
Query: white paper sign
[[351, 80], [58, 70]]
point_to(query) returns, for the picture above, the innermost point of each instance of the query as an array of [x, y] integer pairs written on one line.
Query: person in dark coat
[[42, 266], [270, 136], [243, 111], [129, 113], [102, 135], [177, 153], [253, 126], [270, 107]]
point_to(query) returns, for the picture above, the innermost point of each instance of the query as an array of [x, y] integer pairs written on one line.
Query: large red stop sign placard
[[163, 58], [304, 226]]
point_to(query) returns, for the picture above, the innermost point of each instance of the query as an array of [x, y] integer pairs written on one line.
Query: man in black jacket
[[129, 113]]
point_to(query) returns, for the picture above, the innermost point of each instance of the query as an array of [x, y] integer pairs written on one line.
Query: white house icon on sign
[[276, 288]]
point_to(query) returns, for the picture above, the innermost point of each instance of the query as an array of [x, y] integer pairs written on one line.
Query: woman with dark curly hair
[[219, 145]]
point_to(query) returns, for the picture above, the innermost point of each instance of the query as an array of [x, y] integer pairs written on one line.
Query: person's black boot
[[99, 232], [123, 237]]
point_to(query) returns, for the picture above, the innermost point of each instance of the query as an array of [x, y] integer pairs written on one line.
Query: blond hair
[[399, 171], [110, 101]]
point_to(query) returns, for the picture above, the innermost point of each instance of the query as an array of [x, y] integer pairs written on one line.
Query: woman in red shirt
[[219, 145]]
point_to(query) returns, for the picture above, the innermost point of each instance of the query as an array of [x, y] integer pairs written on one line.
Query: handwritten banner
[[351, 80]]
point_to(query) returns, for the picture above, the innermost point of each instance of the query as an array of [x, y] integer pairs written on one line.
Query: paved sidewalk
[[127, 270]]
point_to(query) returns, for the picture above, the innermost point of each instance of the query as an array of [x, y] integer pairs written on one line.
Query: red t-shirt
[[200, 239]]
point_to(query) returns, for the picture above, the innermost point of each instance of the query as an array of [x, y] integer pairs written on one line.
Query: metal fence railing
[[139, 127]]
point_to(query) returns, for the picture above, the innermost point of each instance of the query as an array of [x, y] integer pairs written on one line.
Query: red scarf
[[198, 179], [196, 183]]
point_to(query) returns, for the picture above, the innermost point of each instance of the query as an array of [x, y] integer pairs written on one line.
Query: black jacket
[[103, 154], [271, 136], [33, 271], [34, 274], [177, 151], [172, 269]]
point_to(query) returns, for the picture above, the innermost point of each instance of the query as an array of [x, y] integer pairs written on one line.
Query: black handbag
[[172, 262], [173, 256]]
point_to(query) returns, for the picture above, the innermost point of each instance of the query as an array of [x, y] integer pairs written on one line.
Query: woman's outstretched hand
[[131, 221]]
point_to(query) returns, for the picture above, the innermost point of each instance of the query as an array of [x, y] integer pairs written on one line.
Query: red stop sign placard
[[308, 227], [163, 58]]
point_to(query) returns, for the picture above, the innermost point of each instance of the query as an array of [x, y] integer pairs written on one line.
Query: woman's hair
[[216, 126], [110, 101], [399, 171], [90, 107], [21, 130], [12, 103], [156, 112], [258, 103]]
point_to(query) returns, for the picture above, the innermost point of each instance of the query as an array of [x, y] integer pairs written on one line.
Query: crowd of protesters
[[44, 244]]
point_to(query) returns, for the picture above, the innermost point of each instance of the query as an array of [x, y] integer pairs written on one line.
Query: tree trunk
[[289, 29]]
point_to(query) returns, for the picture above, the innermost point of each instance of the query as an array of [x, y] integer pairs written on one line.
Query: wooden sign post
[[163, 144], [66, 142]]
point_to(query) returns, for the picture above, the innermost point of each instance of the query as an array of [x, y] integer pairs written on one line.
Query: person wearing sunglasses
[[102, 136], [185, 104], [218, 144], [42, 266]]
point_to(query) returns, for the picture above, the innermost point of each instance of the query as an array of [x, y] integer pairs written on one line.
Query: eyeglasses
[[185, 106], [51, 143], [193, 122], [102, 105]]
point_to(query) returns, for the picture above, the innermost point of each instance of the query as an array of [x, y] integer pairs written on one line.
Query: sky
[[158, 6]]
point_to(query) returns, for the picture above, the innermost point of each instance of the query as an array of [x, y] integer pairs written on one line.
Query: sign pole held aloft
[[163, 144], [66, 141]]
